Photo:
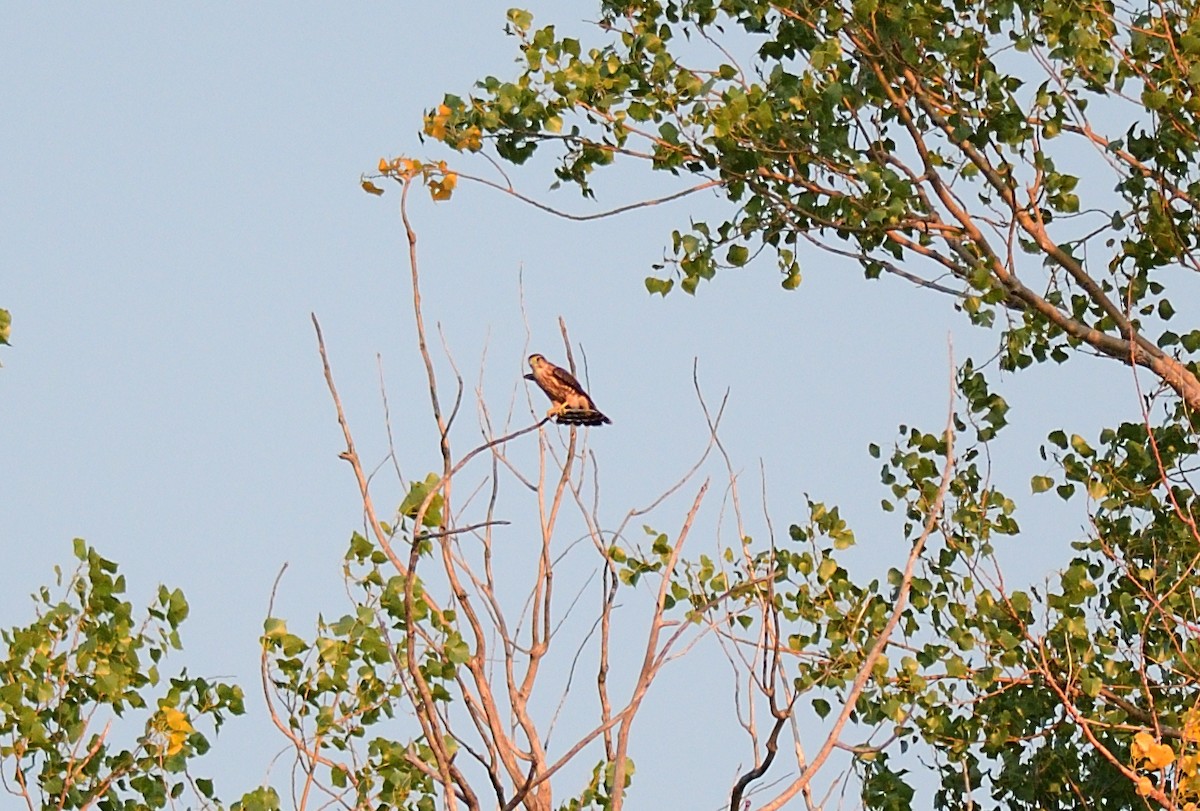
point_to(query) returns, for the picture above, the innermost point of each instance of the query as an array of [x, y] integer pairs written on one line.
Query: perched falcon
[[570, 404]]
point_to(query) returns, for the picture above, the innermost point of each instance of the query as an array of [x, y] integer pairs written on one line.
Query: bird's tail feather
[[582, 416]]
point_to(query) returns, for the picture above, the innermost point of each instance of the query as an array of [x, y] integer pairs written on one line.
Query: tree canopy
[[944, 142]]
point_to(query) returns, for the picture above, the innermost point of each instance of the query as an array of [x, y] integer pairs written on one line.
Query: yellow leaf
[[1191, 726], [178, 728], [176, 719], [1161, 756], [1141, 746], [472, 139], [1144, 786], [371, 188], [175, 744], [435, 125], [383, 164], [1187, 766]]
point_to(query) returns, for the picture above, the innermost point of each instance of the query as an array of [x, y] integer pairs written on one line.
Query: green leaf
[[738, 255], [660, 286], [417, 495], [1154, 99], [1041, 484], [5, 326], [261, 799], [520, 19], [177, 608], [792, 278], [842, 538], [458, 652], [826, 569]]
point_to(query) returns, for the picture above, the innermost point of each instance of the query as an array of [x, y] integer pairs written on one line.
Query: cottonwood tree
[[1035, 165]]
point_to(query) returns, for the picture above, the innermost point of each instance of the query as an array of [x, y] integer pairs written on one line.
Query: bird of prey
[[569, 403]]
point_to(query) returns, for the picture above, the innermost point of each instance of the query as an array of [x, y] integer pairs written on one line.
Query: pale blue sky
[[180, 190]]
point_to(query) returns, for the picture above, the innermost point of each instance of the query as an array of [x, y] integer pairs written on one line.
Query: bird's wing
[[567, 379]]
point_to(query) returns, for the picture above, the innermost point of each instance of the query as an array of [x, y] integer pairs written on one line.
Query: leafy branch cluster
[[86, 718], [943, 142]]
